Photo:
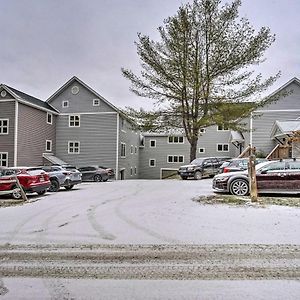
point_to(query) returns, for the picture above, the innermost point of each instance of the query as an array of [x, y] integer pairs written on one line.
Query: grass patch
[[245, 201]]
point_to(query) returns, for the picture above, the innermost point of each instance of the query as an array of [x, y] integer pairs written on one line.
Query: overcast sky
[[46, 42]]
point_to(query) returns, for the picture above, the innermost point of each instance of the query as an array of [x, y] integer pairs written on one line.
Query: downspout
[[117, 147], [16, 133], [251, 129]]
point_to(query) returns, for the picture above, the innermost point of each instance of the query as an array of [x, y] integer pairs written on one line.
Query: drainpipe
[[117, 148], [16, 133]]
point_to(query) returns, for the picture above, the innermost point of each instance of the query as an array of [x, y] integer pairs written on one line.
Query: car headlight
[[191, 168], [222, 179]]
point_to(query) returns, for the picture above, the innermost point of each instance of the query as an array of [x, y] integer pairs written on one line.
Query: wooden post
[[21, 189], [252, 176]]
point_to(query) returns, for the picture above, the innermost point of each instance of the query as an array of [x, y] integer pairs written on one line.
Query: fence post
[[252, 176]]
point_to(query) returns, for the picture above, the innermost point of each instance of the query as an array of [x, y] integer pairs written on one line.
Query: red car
[[32, 180]]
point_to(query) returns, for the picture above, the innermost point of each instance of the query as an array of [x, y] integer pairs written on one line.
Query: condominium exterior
[[77, 126]]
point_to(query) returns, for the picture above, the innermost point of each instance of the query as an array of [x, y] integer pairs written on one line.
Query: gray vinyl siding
[[129, 136], [262, 125], [7, 111], [81, 102], [97, 135], [208, 140], [33, 131], [291, 101]]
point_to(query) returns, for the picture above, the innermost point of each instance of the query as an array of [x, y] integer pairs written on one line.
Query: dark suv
[[201, 167]]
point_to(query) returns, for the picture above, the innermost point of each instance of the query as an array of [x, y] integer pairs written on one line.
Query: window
[[49, 118], [131, 171], [175, 159], [96, 102], [152, 143], [3, 159], [48, 145], [135, 149], [201, 150], [74, 121], [202, 130], [4, 126], [123, 150], [175, 139], [73, 147], [152, 162], [222, 127], [123, 125], [223, 147], [135, 171], [131, 149], [65, 103]]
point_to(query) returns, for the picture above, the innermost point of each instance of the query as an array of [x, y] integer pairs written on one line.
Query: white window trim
[[7, 128], [202, 151], [179, 162], [202, 130], [65, 102], [222, 147], [131, 171], [123, 156], [173, 139], [74, 115], [96, 100], [131, 149], [51, 117], [1, 160], [154, 144], [69, 147], [135, 170], [150, 159], [48, 150], [135, 149]]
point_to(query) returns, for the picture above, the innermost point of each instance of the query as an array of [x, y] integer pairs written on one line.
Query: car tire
[[198, 175], [69, 187], [239, 187], [183, 177], [41, 192], [16, 195], [54, 187], [104, 180], [97, 178]]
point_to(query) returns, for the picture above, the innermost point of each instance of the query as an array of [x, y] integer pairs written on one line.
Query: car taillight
[[226, 170]]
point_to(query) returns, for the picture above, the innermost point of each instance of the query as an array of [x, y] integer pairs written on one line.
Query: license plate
[[42, 179]]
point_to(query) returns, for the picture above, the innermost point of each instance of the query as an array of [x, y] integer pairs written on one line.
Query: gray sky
[[46, 42]]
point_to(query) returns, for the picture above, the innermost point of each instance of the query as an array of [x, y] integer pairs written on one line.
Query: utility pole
[[252, 175]]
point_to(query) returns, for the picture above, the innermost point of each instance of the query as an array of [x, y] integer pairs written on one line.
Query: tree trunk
[[193, 149]]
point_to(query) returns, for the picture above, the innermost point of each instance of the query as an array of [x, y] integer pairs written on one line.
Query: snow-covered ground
[[145, 212]]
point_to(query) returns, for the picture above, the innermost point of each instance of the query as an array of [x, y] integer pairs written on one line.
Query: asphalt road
[[117, 240]]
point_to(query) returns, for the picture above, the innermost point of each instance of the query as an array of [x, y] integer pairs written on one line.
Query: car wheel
[[54, 187], [17, 194], [183, 177], [69, 187], [104, 180], [239, 187], [41, 192], [198, 175], [97, 178]]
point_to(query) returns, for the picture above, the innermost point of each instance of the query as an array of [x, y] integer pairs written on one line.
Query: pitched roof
[[283, 128], [28, 99]]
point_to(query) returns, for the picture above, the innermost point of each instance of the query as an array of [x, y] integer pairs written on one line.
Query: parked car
[[60, 177], [110, 171], [237, 164], [32, 180], [201, 167], [93, 174], [272, 177]]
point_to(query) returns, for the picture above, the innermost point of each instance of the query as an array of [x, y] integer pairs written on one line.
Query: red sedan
[[32, 180]]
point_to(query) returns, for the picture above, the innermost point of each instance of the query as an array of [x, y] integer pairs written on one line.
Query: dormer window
[[96, 102], [65, 103]]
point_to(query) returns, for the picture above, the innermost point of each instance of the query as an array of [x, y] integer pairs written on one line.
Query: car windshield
[[197, 161]]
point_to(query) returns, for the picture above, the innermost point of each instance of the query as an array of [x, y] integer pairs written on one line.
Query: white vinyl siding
[[4, 126], [131, 149], [73, 147], [3, 159]]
